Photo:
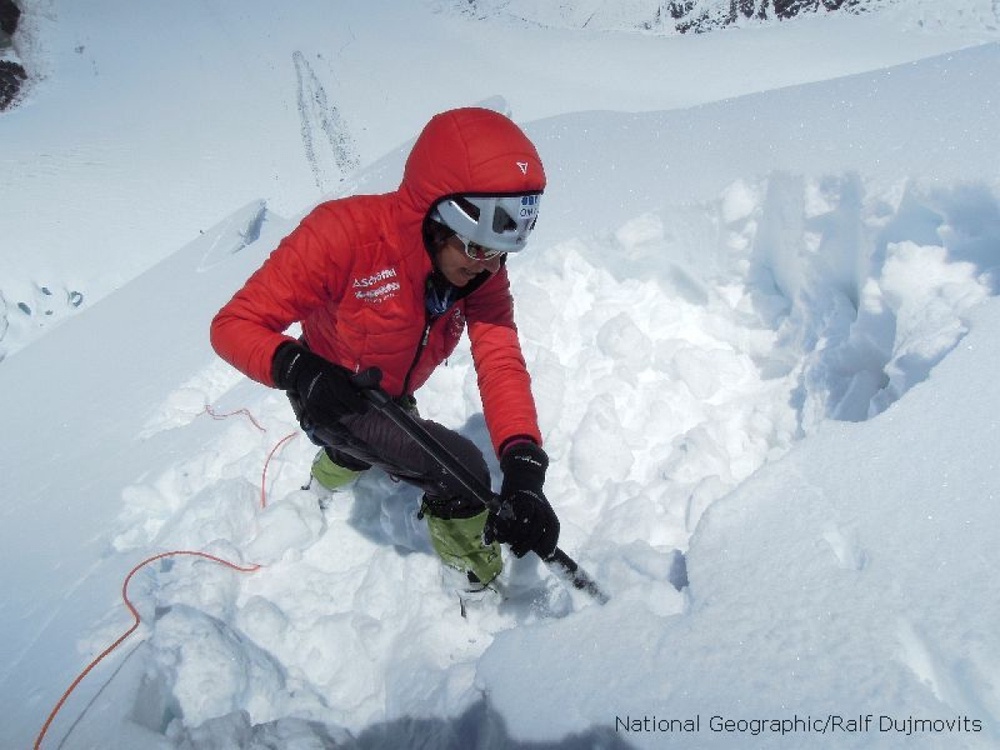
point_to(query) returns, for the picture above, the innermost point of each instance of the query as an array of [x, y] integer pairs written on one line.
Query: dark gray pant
[[360, 441]]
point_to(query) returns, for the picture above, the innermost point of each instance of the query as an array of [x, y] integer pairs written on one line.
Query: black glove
[[326, 390], [524, 520]]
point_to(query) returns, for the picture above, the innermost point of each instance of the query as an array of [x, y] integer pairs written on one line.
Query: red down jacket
[[354, 274]]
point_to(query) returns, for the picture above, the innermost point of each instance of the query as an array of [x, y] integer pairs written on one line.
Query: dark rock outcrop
[[12, 73], [10, 14], [685, 17]]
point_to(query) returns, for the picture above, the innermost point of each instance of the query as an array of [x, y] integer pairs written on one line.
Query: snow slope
[[175, 116], [713, 286]]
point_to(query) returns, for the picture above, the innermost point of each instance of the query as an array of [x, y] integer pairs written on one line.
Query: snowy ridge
[[182, 114], [671, 18]]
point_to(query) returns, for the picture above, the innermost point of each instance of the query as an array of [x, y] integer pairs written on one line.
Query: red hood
[[493, 156]]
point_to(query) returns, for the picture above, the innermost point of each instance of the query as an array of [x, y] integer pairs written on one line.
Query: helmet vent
[[503, 221], [469, 208]]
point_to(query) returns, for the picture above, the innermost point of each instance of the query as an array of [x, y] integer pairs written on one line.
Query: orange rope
[[263, 476], [135, 613], [135, 625], [274, 450], [246, 412]]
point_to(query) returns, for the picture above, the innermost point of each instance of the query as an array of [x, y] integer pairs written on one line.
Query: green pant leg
[[330, 475], [459, 543]]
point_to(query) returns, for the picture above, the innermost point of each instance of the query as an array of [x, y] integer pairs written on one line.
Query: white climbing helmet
[[496, 223]]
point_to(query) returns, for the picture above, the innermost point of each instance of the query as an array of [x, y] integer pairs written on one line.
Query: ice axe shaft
[[562, 563]]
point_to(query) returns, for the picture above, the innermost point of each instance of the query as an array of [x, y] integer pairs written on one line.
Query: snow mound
[[807, 299]]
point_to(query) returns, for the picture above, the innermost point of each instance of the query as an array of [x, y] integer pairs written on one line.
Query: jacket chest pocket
[[379, 320]]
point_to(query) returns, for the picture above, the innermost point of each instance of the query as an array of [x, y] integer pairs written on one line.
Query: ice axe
[[368, 383]]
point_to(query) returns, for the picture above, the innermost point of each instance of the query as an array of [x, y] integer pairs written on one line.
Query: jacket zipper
[[416, 357], [430, 321]]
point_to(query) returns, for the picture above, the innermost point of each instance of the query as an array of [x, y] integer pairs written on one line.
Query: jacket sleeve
[[504, 383], [303, 273]]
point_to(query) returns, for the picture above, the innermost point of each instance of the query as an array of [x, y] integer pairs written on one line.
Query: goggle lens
[[478, 252]]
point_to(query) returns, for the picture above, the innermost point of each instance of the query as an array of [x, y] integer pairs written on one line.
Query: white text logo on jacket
[[378, 287]]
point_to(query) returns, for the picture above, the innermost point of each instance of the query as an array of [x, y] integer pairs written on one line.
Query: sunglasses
[[478, 252]]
